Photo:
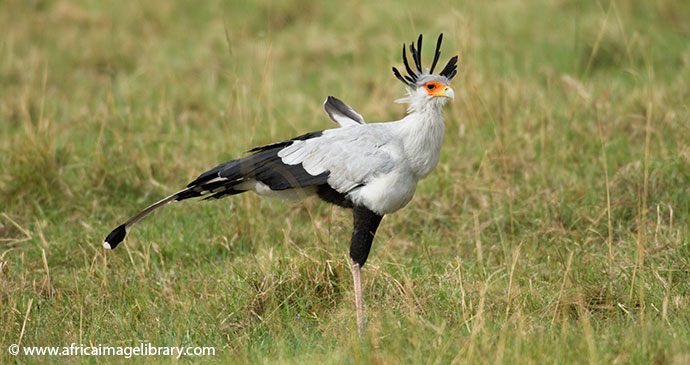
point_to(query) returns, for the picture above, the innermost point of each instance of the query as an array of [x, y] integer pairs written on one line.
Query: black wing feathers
[[262, 165], [337, 109], [285, 143]]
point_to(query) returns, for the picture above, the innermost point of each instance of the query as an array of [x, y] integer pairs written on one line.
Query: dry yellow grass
[[553, 230]]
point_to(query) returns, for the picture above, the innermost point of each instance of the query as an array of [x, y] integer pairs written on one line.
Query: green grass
[[554, 230]]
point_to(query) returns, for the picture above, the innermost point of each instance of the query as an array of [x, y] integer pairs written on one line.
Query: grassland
[[554, 230]]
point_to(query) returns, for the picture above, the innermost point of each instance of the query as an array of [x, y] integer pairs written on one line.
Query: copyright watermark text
[[143, 349]]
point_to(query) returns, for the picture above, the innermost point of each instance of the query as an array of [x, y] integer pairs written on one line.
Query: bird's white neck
[[422, 132]]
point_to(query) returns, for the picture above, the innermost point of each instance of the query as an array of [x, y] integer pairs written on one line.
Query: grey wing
[[342, 113], [352, 156]]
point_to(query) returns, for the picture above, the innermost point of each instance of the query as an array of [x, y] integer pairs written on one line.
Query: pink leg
[[359, 302]]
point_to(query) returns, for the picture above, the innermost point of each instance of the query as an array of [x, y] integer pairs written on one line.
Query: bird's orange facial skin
[[435, 88]]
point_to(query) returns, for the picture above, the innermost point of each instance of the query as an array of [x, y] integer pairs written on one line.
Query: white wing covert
[[353, 155]]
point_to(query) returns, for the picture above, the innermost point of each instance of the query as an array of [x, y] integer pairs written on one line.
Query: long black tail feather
[[119, 233], [115, 237], [263, 165]]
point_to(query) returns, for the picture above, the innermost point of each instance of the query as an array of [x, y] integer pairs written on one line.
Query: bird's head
[[425, 88]]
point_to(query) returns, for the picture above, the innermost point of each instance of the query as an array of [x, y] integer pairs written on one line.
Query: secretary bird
[[372, 169]]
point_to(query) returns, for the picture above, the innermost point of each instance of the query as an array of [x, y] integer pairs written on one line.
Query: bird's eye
[[430, 86]]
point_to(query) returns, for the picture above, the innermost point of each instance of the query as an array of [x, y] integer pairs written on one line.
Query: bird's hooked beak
[[447, 92], [442, 90]]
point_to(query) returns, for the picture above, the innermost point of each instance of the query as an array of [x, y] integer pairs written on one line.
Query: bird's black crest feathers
[[416, 52]]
